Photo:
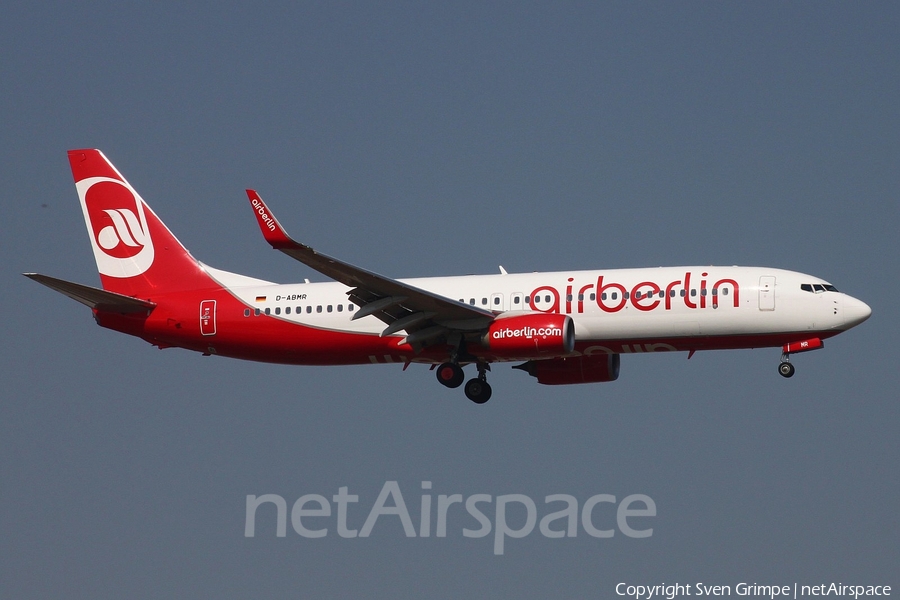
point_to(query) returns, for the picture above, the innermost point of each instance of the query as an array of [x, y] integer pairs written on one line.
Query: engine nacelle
[[530, 335], [577, 369]]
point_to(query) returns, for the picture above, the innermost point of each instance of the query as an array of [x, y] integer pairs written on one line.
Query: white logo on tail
[[125, 230], [114, 214]]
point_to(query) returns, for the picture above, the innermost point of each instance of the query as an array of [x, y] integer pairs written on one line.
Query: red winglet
[[271, 229]]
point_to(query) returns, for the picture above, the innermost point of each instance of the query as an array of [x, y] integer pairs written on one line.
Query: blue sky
[[416, 139]]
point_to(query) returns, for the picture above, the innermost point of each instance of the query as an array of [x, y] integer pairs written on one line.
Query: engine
[[531, 335], [578, 369]]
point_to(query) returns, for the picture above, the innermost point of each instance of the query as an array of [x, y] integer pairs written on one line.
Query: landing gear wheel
[[478, 391], [786, 369], [450, 375]]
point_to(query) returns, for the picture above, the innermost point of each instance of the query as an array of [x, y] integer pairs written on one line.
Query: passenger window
[[681, 293], [497, 300], [615, 295], [308, 309], [319, 308], [568, 297], [484, 301], [546, 298], [472, 301], [268, 311], [593, 296], [350, 308], [637, 295], [515, 300], [340, 307], [603, 296], [724, 291], [246, 312], [693, 293], [527, 299], [277, 310], [329, 308], [256, 312]]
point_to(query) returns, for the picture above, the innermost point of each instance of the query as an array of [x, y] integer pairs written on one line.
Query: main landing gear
[[450, 374], [478, 390]]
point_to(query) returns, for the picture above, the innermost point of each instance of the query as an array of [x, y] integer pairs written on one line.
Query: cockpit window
[[817, 288]]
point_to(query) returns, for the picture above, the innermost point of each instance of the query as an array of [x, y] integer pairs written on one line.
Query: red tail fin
[[136, 254]]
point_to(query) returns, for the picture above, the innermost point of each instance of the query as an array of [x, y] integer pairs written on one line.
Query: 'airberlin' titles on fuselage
[[269, 221], [612, 297]]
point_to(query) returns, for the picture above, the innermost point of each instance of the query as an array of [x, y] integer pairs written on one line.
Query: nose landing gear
[[785, 369]]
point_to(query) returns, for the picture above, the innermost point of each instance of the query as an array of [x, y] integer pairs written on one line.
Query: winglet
[[271, 229]]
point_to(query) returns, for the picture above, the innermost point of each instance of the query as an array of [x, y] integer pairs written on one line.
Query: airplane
[[564, 327]]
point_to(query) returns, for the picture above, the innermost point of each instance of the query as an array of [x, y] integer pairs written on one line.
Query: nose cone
[[855, 311]]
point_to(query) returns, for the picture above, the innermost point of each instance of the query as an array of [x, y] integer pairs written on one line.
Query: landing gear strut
[[478, 390]]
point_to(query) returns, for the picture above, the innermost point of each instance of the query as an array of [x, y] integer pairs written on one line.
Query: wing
[[93, 297], [426, 317]]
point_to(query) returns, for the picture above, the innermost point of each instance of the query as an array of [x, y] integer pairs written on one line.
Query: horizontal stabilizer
[[94, 297]]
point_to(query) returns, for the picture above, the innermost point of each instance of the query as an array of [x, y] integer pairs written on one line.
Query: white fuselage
[[646, 303]]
